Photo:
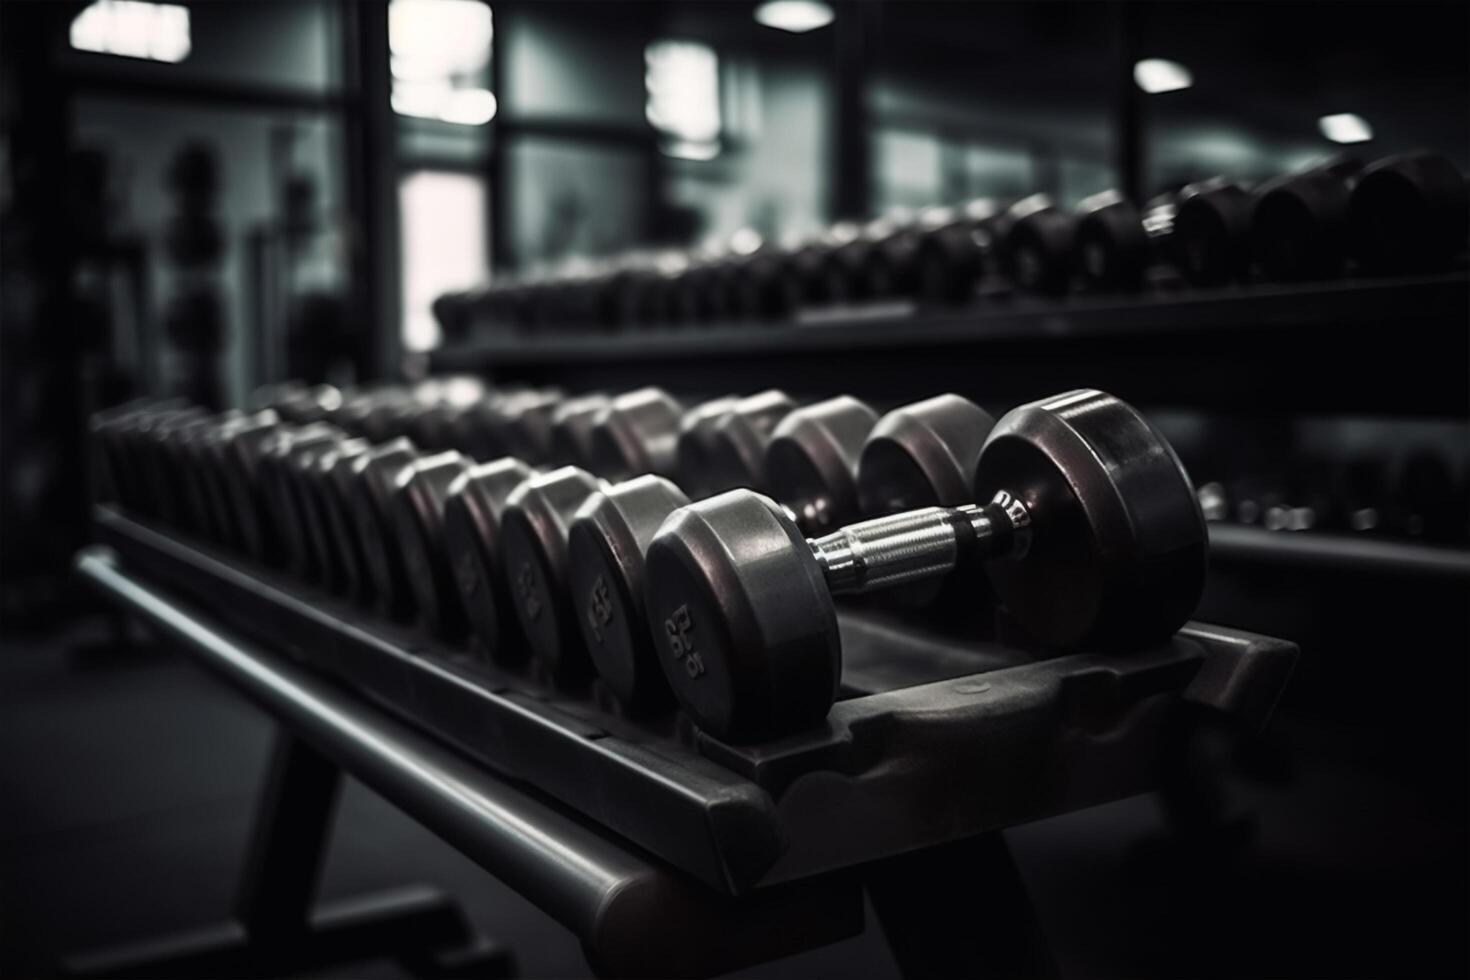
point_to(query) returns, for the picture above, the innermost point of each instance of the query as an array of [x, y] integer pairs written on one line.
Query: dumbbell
[[1408, 213], [284, 495], [420, 491], [1211, 232], [637, 432], [1039, 245], [722, 443], [762, 286], [247, 498], [814, 462], [162, 483], [195, 458], [952, 252], [517, 423], [535, 521], [1091, 536], [1119, 246], [890, 267], [807, 264], [633, 433], [329, 483], [1299, 222], [572, 425], [537, 516], [1112, 247], [375, 474]]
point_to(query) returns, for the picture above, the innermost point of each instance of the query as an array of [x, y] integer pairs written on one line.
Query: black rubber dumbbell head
[[1211, 233], [1409, 213], [371, 504], [1112, 248], [533, 532], [694, 444], [247, 496], [572, 425], [1040, 245], [812, 460], [922, 455], [742, 621], [605, 547], [639, 433], [418, 520], [1118, 542], [472, 515], [1299, 226], [334, 477], [736, 441]]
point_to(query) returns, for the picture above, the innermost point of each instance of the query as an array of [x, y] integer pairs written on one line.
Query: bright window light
[[1155, 75], [796, 16], [1344, 127], [443, 235], [132, 29], [440, 55], [683, 83]]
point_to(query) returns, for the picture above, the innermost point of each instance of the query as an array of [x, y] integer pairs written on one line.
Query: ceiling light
[[796, 16], [133, 29], [1155, 75], [1344, 127]]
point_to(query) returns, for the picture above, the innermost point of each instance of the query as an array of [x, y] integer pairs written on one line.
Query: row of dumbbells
[[1420, 498], [1078, 511], [1402, 214]]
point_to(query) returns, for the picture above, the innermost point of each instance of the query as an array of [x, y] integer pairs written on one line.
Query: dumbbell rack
[[937, 737]]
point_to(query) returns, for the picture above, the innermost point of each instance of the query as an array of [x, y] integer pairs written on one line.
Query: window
[[440, 53], [443, 222], [132, 29], [683, 82]]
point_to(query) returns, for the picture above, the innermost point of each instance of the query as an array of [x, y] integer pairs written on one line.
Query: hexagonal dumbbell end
[[418, 519], [638, 434], [605, 547], [571, 429], [722, 443], [472, 515], [812, 461], [538, 515], [372, 515]]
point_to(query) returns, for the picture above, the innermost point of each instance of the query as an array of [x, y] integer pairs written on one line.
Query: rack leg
[[277, 931], [959, 909]]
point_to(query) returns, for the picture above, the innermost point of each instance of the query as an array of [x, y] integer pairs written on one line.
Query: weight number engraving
[[526, 587], [680, 631], [599, 608]]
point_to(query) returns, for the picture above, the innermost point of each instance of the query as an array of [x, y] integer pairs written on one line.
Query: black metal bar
[[105, 81], [612, 898], [851, 126], [959, 910], [1327, 550], [372, 182], [289, 842], [1129, 160]]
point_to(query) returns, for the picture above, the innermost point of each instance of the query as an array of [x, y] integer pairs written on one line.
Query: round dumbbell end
[[605, 568], [1118, 544], [811, 461], [922, 455], [742, 619]]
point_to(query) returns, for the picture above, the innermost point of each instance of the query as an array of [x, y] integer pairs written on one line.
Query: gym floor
[[128, 777]]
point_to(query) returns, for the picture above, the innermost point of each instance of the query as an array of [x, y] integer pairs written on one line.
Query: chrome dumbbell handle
[[921, 544]]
